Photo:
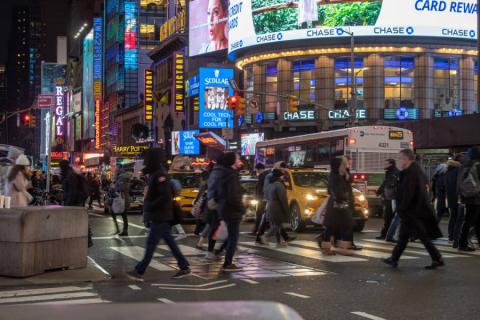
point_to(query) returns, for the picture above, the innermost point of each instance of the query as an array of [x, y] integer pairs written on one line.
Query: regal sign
[[59, 112]]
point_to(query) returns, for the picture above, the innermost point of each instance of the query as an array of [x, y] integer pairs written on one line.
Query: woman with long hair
[[217, 26], [18, 182], [338, 218]]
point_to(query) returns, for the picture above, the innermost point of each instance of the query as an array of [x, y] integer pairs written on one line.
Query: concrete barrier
[[37, 239]]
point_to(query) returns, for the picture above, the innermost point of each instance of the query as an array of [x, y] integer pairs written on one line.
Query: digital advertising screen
[[88, 103], [208, 23], [185, 143], [256, 22], [213, 91], [248, 142]]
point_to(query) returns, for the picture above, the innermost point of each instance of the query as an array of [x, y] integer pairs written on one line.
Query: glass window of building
[[304, 80], [249, 81], [271, 84], [475, 87], [147, 31], [343, 82], [446, 84], [399, 82]]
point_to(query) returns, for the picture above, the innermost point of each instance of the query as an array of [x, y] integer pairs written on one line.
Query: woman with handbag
[[338, 218], [18, 183]]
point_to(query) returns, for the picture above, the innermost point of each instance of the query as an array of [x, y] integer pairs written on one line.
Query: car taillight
[[360, 177]]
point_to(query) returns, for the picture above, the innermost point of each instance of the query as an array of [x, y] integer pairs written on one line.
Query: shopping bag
[[118, 204], [319, 215], [221, 233]]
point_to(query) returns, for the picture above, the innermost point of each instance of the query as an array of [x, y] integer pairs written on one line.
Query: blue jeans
[[157, 232], [275, 231], [393, 227], [232, 240]]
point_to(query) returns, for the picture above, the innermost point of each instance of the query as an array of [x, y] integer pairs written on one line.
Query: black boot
[[435, 265]]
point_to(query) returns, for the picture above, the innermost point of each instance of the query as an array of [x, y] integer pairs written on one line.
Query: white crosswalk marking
[[364, 252], [309, 253], [419, 245], [388, 248], [136, 253], [186, 250], [55, 295]]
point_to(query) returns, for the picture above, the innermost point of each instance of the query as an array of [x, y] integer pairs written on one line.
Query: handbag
[[221, 233], [319, 216], [197, 210], [118, 204]]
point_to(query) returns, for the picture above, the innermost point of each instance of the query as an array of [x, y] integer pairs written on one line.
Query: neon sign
[[59, 112], [148, 95], [131, 30], [97, 76], [179, 86]]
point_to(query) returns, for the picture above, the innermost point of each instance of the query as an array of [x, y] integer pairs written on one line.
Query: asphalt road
[[318, 287]]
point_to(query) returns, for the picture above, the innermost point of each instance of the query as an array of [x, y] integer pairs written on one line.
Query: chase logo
[[472, 33], [410, 30], [241, 43], [339, 31], [279, 36], [216, 73]]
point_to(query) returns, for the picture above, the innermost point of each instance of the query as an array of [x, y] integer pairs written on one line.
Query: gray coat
[[277, 205]]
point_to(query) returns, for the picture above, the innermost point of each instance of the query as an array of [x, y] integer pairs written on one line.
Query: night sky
[[54, 14]]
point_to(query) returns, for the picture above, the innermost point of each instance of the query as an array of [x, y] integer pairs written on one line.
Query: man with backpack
[[75, 190], [469, 191], [388, 191]]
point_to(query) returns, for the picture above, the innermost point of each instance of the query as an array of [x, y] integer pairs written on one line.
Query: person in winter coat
[[451, 177], [122, 187], [338, 218], [472, 203], [231, 207], [417, 215], [202, 222], [261, 174], [439, 189], [388, 191], [277, 207], [7, 165], [158, 215], [18, 183]]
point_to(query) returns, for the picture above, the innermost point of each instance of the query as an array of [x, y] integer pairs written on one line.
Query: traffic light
[[240, 110], [33, 121], [292, 104], [232, 102], [27, 118]]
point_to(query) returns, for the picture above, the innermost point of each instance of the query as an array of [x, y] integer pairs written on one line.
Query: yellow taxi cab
[[306, 191], [190, 181]]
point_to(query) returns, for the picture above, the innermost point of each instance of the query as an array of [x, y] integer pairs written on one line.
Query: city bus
[[367, 147]]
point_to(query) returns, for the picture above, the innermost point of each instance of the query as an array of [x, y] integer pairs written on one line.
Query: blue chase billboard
[[214, 91]]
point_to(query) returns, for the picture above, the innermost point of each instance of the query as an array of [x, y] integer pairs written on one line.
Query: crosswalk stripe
[[28, 292], [186, 250], [48, 297], [364, 252], [419, 245], [136, 253], [309, 253], [387, 247], [74, 301]]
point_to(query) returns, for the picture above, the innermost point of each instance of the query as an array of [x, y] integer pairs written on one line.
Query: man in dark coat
[[417, 216], [158, 215], [451, 178], [261, 205], [231, 207], [388, 191]]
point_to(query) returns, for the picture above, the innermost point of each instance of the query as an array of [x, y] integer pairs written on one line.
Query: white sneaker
[[180, 236]]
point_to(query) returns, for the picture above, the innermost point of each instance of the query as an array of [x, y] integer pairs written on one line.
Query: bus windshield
[[310, 179]]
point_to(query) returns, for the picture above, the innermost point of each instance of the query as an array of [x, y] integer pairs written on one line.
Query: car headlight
[[361, 198], [311, 197], [365, 213], [253, 202], [177, 198]]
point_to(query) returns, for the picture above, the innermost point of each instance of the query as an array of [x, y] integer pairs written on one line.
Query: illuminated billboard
[[88, 103], [208, 23], [131, 35], [256, 22], [185, 143], [249, 142], [98, 75], [148, 103], [214, 91]]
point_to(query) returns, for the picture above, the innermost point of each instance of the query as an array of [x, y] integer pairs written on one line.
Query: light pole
[[353, 105]]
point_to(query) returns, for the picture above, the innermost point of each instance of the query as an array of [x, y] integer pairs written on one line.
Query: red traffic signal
[[232, 102], [27, 117]]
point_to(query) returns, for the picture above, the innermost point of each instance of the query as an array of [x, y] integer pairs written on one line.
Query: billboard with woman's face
[[208, 23], [257, 22]]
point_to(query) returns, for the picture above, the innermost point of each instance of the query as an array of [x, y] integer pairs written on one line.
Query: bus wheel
[[296, 221]]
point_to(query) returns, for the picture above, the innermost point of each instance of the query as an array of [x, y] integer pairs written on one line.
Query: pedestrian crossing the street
[[51, 295]]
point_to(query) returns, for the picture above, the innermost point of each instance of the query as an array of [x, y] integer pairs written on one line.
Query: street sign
[[44, 101]]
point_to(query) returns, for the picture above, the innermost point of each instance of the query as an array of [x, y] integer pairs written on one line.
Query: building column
[[424, 85], [324, 76], [374, 86], [467, 92], [284, 83]]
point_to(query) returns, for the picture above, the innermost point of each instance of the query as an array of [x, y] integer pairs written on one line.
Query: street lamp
[[353, 104]]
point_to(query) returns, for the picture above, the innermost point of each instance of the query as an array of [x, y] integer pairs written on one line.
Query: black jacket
[[158, 203], [231, 201], [388, 189], [259, 192], [277, 207], [413, 201], [451, 178], [73, 190]]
